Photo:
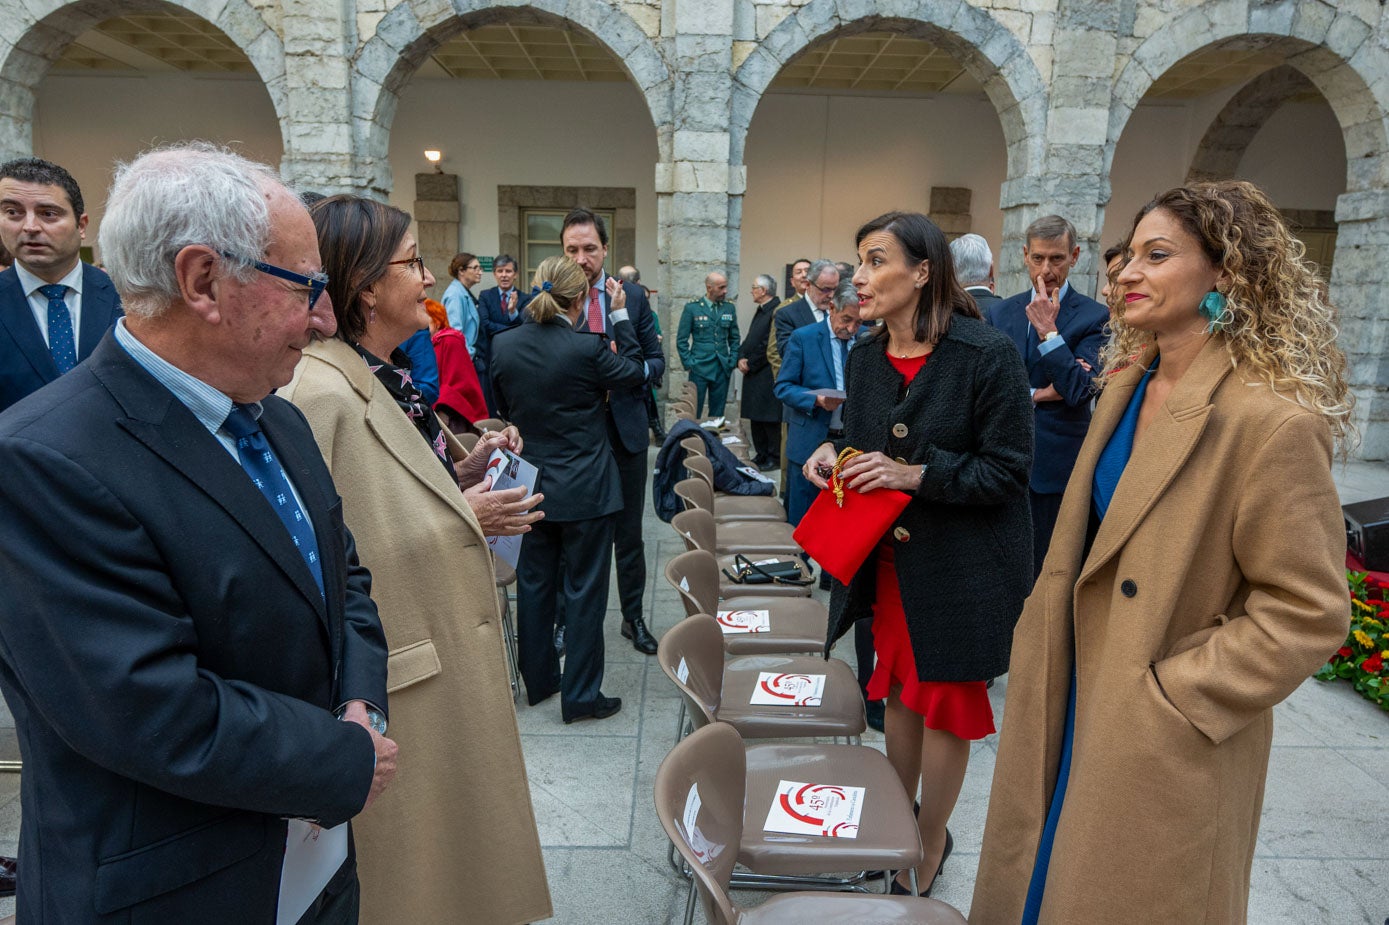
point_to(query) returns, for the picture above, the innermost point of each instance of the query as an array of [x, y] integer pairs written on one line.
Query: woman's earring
[[1215, 309], [371, 316]]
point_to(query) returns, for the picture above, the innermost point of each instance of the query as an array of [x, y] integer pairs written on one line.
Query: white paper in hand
[[744, 621], [815, 809], [792, 690], [508, 471], [312, 855]]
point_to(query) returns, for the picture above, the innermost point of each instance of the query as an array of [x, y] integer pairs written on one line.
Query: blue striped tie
[[261, 464], [61, 343]]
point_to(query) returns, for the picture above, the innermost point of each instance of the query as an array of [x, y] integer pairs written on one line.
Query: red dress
[[460, 390], [958, 707]]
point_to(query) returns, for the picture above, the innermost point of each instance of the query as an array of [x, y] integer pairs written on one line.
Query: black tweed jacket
[[963, 546]]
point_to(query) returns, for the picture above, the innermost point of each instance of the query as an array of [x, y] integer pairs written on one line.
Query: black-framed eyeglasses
[[315, 282], [416, 260], [824, 290], [472, 266]]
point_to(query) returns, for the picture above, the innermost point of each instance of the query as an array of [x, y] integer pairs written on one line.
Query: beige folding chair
[[798, 624], [721, 691], [490, 424], [734, 536], [734, 507], [468, 439], [506, 580], [713, 793], [698, 530]]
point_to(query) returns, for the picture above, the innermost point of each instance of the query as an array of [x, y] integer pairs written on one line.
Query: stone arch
[[1220, 150], [411, 31], [1338, 52], [44, 28], [988, 50], [1335, 50]]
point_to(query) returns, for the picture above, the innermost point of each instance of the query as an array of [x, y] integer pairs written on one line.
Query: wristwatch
[[1050, 335], [377, 720]]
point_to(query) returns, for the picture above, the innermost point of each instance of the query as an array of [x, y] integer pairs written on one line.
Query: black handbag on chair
[[748, 572]]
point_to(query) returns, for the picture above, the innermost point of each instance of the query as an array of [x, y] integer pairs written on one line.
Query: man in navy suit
[[974, 268], [54, 308], [584, 237], [815, 358], [1055, 328], [822, 278], [500, 308], [187, 640]]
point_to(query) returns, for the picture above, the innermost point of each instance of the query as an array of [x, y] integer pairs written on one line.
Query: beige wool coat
[[1214, 587], [454, 834]]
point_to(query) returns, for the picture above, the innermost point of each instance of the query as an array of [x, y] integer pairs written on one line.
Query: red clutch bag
[[843, 527]]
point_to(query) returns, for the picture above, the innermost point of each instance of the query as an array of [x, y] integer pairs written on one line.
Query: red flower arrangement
[[1362, 659]]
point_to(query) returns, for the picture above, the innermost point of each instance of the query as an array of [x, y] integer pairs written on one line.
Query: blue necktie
[[60, 340], [260, 463]]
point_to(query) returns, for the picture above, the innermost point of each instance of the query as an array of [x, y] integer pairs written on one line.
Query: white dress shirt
[[38, 302]]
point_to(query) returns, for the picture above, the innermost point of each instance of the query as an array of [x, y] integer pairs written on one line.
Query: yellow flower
[[1371, 621], [1364, 640], [1361, 604]]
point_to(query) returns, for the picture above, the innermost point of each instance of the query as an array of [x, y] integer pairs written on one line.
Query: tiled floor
[[1322, 857]]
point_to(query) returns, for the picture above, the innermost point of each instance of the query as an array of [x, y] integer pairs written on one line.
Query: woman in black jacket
[[552, 381], [939, 408]]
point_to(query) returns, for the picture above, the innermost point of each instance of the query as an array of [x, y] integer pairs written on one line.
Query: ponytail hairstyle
[[560, 281]]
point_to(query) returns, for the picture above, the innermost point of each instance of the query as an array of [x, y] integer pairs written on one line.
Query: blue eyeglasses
[[315, 283]]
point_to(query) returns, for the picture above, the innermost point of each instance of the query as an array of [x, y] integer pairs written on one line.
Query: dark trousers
[[563, 566], [766, 441], [340, 900], [1045, 509], [799, 493], [716, 389], [863, 653], [628, 549]]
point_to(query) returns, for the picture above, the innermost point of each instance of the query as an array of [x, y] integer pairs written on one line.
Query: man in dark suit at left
[[54, 308], [187, 642], [499, 308], [584, 237]]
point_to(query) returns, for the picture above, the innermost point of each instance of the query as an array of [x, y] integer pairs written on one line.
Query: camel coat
[[454, 834], [1214, 587]]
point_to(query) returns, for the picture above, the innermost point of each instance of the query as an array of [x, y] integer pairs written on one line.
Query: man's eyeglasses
[[417, 261], [823, 290], [315, 282]]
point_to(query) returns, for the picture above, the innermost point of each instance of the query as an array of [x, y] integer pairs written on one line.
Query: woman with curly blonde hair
[[1195, 578]]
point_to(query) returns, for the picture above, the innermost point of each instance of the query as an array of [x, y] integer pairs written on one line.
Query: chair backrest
[[699, 799], [692, 444], [697, 643], [695, 574], [696, 493], [682, 413], [469, 440], [696, 528], [490, 424], [700, 467]]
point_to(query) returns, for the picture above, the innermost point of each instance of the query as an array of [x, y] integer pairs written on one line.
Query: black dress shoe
[[875, 711], [601, 708], [641, 637], [9, 870]]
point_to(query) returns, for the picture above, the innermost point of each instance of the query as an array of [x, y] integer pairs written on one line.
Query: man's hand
[[829, 404], [617, 296], [386, 750], [503, 513], [818, 467], [511, 301], [1043, 309], [1045, 393], [743, 366]]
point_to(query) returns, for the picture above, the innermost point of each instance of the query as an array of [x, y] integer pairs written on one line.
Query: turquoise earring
[[1213, 308]]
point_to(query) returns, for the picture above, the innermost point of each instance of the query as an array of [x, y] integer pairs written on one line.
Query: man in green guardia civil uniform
[[708, 344]]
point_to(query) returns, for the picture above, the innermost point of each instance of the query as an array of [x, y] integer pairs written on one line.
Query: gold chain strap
[[836, 481]]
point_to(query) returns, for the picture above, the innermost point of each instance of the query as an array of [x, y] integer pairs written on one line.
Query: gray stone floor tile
[[1314, 807], [1332, 713], [592, 886], [1304, 892], [620, 679], [583, 789], [1374, 762]]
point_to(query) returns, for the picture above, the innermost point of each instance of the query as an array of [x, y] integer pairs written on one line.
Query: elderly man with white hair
[[187, 642], [974, 268]]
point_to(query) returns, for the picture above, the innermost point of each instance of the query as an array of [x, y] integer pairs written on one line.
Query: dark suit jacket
[[967, 419], [170, 663], [25, 363], [807, 364], [789, 317], [1060, 425], [759, 400], [493, 321], [984, 297], [627, 405], [553, 381]]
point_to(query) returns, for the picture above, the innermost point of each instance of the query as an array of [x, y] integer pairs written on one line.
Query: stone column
[[437, 217], [699, 192], [950, 207], [1359, 278], [318, 64]]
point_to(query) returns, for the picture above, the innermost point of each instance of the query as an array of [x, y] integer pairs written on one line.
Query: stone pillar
[[950, 210], [437, 219], [318, 106], [699, 192], [1359, 277]]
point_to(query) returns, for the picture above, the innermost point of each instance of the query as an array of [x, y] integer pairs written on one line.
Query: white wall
[[87, 124], [820, 166], [526, 133]]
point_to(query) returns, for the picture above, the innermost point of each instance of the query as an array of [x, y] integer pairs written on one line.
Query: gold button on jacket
[[901, 534], [899, 430]]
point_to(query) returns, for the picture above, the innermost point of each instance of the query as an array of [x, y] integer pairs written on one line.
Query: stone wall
[[1063, 75]]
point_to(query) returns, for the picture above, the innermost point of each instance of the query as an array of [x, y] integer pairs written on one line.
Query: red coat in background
[[460, 391]]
